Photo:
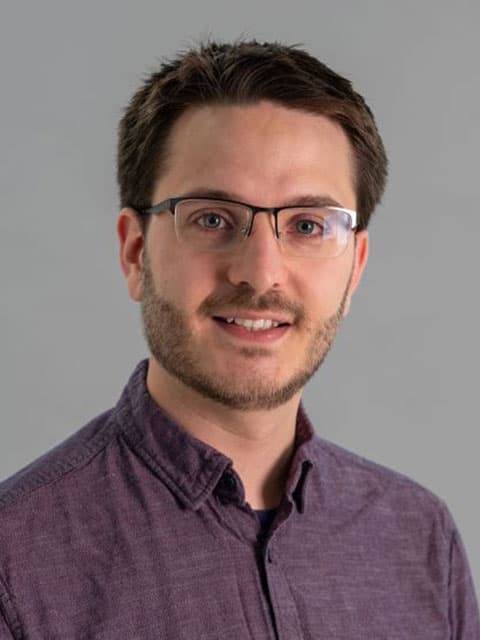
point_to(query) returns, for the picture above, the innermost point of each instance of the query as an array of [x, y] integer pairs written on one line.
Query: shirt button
[[228, 482]]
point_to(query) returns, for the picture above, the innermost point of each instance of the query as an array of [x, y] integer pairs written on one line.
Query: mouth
[[253, 324], [259, 330]]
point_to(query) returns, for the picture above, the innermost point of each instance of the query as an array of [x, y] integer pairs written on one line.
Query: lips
[[257, 324], [251, 335]]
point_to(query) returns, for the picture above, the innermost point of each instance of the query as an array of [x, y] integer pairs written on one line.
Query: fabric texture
[[134, 529]]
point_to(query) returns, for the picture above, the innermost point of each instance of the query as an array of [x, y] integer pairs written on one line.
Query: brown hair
[[244, 72]]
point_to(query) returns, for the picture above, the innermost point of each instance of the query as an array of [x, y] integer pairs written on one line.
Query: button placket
[[270, 559]]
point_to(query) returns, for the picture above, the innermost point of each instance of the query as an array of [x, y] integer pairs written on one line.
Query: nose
[[258, 260]]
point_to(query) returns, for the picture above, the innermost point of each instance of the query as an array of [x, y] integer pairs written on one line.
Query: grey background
[[401, 384]]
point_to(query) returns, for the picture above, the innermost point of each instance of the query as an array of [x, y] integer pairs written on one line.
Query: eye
[[307, 227], [212, 220]]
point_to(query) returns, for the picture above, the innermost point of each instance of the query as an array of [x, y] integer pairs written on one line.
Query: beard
[[174, 347]]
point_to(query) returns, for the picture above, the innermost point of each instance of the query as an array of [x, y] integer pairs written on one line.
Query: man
[[203, 505]]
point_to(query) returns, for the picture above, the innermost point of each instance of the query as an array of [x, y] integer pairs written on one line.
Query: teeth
[[253, 325]]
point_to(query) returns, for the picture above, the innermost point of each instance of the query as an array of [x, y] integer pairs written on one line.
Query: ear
[[131, 243], [360, 260]]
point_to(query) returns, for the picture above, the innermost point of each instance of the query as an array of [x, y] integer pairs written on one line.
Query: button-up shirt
[[133, 529]]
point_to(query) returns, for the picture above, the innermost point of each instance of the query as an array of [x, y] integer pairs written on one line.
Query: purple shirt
[[133, 529]]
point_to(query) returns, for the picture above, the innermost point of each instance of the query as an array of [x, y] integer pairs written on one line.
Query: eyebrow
[[306, 200]]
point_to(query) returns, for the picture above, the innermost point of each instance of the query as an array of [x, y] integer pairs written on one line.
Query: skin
[[242, 398]]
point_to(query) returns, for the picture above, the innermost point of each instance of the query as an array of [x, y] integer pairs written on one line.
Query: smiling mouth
[[262, 324]]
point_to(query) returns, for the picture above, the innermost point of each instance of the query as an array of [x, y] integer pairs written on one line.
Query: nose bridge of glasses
[[271, 212]]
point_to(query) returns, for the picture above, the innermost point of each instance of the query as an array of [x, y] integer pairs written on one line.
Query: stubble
[[174, 347]]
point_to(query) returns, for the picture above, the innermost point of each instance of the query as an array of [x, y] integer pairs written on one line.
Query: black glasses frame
[[170, 205]]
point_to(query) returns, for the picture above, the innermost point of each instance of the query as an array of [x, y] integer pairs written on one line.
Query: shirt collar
[[189, 467]]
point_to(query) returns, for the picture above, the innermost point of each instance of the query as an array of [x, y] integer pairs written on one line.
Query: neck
[[260, 443]]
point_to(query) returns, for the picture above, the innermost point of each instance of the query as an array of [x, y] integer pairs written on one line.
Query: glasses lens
[[210, 225], [322, 232]]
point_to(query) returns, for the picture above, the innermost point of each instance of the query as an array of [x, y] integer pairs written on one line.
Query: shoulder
[[389, 497], [73, 453]]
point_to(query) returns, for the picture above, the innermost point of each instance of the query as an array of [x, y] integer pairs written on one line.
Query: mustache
[[244, 300]]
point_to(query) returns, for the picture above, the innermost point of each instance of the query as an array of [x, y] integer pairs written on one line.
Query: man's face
[[270, 156]]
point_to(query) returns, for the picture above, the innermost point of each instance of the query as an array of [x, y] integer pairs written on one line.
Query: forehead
[[264, 153]]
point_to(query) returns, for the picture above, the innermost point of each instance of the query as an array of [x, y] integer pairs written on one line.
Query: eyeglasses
[[213, 225]]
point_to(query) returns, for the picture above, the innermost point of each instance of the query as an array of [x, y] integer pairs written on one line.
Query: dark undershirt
[[265, 516]]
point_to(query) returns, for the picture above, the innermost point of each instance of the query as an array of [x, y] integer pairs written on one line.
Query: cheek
[[325, 291], [183, 280], [322, 301]]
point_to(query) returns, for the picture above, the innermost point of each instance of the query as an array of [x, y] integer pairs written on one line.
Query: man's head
[[266, 125], [243, 74]]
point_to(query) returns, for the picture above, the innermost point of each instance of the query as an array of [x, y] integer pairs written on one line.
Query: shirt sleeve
[[5, 633], [9, 626], [464, 614]]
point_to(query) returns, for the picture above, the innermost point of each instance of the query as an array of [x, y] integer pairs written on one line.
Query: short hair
[[243, 73]]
